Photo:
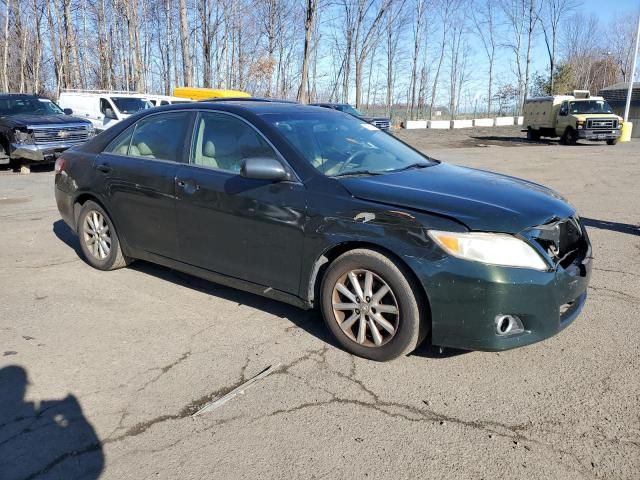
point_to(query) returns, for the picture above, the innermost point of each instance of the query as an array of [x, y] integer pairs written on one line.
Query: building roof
[[621, 86]]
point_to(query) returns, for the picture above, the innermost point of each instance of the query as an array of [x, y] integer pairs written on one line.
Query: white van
[[103, 108], [159, 100]]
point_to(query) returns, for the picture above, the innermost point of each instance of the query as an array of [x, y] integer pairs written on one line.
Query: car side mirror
[[68, 111], [263, 169], [109, 113]]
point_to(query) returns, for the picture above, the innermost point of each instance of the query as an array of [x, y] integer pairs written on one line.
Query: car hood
[[483, 201], [371, 119], [25, 120]]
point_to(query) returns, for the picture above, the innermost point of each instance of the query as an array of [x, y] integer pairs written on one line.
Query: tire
[[398, 333], [569, 137], [105, 254], [612, 142], [533, 135]]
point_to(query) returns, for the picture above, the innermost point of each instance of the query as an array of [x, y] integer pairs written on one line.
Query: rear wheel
[[371, 306], [98, 238], [532, 134]]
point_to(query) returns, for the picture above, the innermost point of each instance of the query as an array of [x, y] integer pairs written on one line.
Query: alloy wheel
[[96, 235], [365, 308]]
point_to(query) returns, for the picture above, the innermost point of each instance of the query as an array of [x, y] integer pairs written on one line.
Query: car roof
[[243, 106], [18, 95]]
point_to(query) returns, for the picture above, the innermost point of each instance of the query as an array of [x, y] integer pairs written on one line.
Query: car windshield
[[28, 106], [346, 108], [129, 105], [338, 145], [590, 106]]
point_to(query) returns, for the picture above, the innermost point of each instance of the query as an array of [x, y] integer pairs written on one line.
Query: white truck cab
[[104, 108]]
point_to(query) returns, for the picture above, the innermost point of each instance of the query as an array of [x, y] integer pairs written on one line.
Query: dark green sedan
[[320, 209]]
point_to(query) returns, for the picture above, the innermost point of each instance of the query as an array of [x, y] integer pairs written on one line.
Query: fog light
[[508, 325]]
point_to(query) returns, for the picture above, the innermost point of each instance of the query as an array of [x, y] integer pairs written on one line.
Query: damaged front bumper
[[39, 152], [467, 298]]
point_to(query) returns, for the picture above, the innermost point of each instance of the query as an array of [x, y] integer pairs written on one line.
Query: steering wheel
[[351, 158]]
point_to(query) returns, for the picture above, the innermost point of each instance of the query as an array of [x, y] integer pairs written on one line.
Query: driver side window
[[564, 109], [223, 142]]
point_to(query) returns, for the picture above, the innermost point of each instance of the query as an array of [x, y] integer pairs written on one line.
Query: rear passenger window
[[223, 142], [157, 136]]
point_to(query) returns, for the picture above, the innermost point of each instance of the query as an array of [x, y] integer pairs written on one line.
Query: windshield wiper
[[357, 172], [410, 166]]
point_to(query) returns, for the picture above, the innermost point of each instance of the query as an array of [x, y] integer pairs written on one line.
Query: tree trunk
[[5, 49], [303, 92], [187, 68]]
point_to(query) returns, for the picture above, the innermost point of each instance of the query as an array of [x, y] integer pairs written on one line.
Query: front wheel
[[612, 142], [570, 137], [98, 238], [371, 307]]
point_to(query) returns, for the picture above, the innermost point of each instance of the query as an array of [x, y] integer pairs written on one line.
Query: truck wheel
[[533, 135], [569, 137], [612, 142]]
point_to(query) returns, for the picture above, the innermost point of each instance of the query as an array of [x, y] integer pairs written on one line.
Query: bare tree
[[445, 9], [419, 19], [309, 23], [484, 22], [187, 68], [368, 18], [552, 13], [395, 21]]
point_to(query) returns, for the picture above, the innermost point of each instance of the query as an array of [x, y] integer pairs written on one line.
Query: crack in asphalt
[[622, 272], [622, 295]]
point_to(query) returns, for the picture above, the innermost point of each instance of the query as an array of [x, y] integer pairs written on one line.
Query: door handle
[[104, 168]]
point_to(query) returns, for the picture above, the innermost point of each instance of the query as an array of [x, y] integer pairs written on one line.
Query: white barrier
[[439, 124], [461, 123], [483, 122], [411, 124], [503, 121], [520, 120]]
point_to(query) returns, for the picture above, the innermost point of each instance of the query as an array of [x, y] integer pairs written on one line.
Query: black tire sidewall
[[108, 262], [410, 325]]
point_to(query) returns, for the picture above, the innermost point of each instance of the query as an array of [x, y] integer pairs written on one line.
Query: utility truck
[[571, 117]]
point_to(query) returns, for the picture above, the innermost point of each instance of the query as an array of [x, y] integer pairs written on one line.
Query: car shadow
[[44, 438], [511, 140], [613, 226], [308, 320], [434, 352], [67, 236]]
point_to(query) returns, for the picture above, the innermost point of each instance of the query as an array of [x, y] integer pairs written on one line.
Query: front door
[[244, 228], [139, 170]]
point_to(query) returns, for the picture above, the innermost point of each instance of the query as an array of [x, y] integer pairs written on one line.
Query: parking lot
[[117, 362]]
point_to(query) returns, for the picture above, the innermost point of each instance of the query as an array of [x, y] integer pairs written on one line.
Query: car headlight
[[492, 248], [22, 137]]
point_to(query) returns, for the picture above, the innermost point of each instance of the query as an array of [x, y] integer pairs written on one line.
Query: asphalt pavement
[[100, 373]]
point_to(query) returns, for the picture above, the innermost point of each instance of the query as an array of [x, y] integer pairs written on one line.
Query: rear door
[[244, 228], [138, 170]]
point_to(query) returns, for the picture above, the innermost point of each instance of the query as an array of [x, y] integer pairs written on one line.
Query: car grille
[[381, 124], [602, 123], [60, 133], [564, 242]]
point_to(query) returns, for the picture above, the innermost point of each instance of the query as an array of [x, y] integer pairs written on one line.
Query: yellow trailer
[[195, 93]]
